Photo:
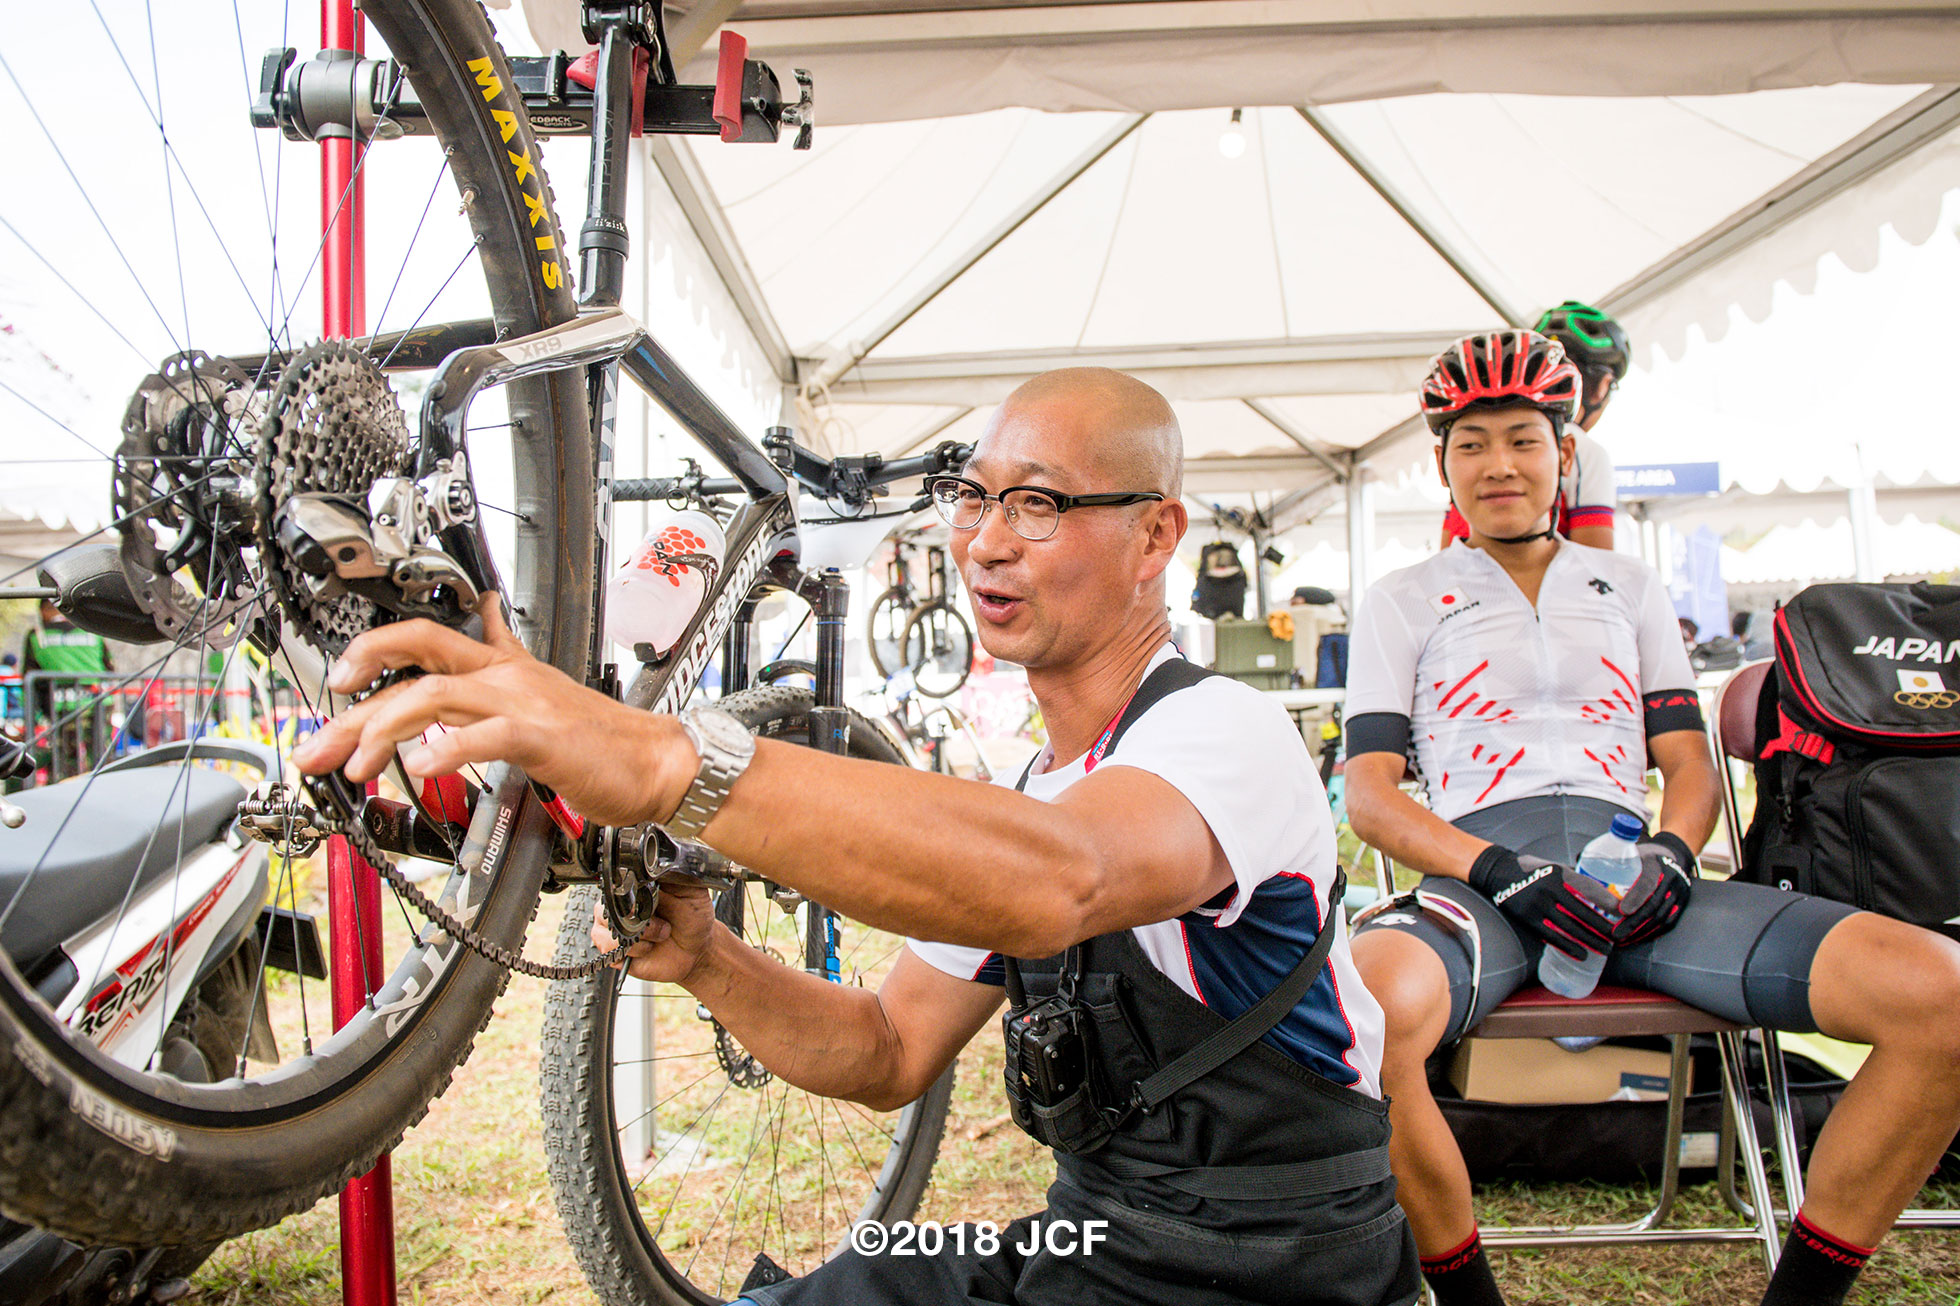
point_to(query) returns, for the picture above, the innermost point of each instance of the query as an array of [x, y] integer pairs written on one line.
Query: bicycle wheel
[[939, 649], [675, 1158], [884, 632], [106, 1150]]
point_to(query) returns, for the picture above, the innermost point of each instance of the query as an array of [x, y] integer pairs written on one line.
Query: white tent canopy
[[996, 191]]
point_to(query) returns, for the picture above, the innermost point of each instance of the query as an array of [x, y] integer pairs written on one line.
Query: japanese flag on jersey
[[1921, 682], [1448, 601]]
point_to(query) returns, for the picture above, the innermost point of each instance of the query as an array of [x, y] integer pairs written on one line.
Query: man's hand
[[670, 948], [1653, 903], [1569, 910], [614, 765]]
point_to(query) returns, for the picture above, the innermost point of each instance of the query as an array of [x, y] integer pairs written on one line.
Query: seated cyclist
[[1529, 682], [1170, 861], [1597, 346]]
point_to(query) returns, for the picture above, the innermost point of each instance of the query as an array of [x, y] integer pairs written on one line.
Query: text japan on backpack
[[1860, 771]]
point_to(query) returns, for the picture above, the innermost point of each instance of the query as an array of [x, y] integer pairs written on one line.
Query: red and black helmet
[[1500, 369]]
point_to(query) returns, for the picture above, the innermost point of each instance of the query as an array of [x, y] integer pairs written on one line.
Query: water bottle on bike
[[1614, 860], [650, 599]]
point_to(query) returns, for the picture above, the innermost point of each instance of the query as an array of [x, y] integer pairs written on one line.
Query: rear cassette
[[334, 427]]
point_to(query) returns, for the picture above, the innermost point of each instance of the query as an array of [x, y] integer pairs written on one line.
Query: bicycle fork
[[830, 731]]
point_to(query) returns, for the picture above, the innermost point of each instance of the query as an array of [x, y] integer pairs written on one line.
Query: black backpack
[[1221, 582], [1858, 783]]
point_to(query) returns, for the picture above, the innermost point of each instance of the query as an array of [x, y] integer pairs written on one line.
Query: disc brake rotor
[[335, 427], [182, 499]]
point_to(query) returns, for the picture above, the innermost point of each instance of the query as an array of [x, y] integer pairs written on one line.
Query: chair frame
[[1640, 1013]]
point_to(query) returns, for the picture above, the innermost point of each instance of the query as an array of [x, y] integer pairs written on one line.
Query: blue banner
[[1658, 480]]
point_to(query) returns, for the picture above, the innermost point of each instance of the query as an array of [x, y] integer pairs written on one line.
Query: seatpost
[[619, 29]]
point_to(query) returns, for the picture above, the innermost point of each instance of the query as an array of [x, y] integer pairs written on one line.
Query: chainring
[[182, 473], [334, 427]]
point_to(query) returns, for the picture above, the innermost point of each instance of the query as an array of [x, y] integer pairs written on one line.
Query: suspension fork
[[830, 730]]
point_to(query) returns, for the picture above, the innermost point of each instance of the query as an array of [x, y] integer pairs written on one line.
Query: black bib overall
[[1260, 1182]]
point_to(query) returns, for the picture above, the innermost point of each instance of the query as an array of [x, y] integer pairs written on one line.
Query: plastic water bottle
[[650, 600], [1613, 860]]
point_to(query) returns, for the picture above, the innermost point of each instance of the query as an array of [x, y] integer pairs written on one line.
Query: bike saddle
[[72, 861]]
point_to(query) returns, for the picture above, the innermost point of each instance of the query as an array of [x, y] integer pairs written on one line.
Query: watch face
[[723, 731]]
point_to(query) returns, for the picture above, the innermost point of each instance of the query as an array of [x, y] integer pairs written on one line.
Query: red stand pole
[[367, 1205]]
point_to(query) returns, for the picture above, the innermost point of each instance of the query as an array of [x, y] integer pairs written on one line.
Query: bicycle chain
[[491, 951]]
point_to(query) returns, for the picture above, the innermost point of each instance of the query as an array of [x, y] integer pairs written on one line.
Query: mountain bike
[[937, 642], [273, 494], [884, 627], [926, 636]]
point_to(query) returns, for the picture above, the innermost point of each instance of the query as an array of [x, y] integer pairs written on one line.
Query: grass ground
[[475, 1220]]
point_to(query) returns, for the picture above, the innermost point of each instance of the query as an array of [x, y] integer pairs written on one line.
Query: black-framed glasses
[[1033, 511]]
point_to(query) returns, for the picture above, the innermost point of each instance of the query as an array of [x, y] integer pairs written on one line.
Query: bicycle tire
[[938, 645], [884, 630], [629, 1256], [103, 1154]]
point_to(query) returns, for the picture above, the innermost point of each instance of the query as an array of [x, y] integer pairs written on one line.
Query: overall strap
[[1167, 679], [1251, 1025]]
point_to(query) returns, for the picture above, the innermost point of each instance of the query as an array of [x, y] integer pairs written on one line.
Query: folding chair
[[1737, 706]]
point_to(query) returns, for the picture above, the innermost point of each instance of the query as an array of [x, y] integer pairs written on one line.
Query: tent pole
[[1277, 420], [1361, 531], [838, 364], [1259, 538], [1406, 210], [1863, 510]]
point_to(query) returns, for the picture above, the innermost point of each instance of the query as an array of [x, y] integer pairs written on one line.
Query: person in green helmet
[[1598, 346]]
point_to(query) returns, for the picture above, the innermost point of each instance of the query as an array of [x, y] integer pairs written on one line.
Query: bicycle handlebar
[[848, 478]]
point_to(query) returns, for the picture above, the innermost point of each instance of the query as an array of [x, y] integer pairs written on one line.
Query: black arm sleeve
[[1378, 732], [1671, 709]]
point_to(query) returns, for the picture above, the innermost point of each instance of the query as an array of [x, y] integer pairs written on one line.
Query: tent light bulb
[[1231, 143]]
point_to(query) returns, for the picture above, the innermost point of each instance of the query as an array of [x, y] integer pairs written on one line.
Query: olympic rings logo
[[1928, 700]]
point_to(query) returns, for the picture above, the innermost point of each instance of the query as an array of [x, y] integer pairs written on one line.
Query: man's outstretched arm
[[880, 1048], [915, 853]]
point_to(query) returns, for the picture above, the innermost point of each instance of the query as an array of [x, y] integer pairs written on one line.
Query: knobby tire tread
[[594, 1200], [74, 1177]]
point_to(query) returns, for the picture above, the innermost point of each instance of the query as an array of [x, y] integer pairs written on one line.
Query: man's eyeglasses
[[1033, 511]]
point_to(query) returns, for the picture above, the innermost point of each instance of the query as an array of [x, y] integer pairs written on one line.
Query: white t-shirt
[[1502, 701], [1237, 758], [1590, 494]]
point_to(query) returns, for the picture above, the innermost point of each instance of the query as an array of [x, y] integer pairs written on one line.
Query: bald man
[[1162, 875]]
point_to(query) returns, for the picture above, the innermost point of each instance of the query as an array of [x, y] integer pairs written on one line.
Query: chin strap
[[1545, 534]]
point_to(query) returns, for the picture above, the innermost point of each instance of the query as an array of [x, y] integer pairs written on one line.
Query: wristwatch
[[726, 748]]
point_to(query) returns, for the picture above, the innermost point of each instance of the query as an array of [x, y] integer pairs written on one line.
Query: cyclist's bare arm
[[1691, 796], [915, 853], [1384, 817], [881, 1048]]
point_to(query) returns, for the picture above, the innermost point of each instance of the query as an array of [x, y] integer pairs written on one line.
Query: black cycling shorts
[[1740, 951]]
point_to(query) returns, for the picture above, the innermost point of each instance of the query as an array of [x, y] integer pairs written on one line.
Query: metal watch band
[[717, 774]]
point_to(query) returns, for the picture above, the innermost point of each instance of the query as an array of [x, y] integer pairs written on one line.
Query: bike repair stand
[[367, 1204]]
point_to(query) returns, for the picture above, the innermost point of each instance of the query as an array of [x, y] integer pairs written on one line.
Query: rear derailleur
[[385, 549]]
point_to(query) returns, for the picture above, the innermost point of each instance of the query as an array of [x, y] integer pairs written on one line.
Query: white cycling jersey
[[1493, 700]]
